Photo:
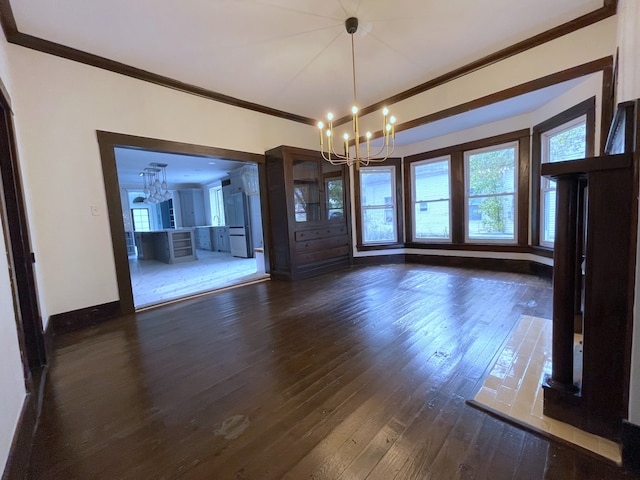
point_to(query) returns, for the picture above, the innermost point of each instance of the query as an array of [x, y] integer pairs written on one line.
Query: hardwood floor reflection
[[360, 374]]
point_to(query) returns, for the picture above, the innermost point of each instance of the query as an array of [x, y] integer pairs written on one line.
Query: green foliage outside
[[488, 172], [335, 196]]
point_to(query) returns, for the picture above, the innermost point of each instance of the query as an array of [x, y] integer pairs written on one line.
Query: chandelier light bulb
[[352, 156]]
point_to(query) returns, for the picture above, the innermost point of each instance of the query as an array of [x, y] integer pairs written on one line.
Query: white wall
[[59, 106], [12, 390], [629, 89]]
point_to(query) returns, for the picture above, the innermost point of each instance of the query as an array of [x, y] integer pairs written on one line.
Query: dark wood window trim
[[456, 153], [397, 164], [588, 108]]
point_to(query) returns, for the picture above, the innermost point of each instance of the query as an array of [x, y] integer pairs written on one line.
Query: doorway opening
[[185, 219]]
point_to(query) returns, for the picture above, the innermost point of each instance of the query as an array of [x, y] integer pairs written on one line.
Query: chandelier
[[154, 179], [388, 127]]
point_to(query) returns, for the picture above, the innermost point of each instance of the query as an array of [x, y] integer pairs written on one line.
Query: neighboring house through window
[[430, 199]]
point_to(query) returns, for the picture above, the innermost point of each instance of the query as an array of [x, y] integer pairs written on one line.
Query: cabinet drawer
[[321, 244], [323, 232], [320, 255]]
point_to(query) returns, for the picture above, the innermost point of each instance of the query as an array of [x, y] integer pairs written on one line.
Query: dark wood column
[[564, 281]]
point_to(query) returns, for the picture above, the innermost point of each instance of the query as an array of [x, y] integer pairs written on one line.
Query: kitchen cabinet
[[220, 239], [192, 210], [168, 246], [130, 241], [203, 238], [309, 211]]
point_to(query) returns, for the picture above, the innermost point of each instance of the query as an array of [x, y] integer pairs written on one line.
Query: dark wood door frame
[[107, 141], [20, 257]]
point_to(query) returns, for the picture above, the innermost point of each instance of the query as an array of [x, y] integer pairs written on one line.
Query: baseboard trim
[[84, 317], [380, 259], [17, 465], [493, 264], [631, 446], [48, 335]]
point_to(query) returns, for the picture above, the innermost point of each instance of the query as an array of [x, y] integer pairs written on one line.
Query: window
[[566, 142], [430, 198], [557, 139], [141, 222], [378, 205], [335, 198], [216, 202], [490, 193]]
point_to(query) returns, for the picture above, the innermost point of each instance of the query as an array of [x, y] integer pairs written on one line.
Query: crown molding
[[14, 36]]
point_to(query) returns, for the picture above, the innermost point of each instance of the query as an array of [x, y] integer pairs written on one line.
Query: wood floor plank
[[358, 374]]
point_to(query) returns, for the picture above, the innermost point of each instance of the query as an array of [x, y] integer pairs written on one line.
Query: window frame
[[397, 191], [545, 183], [588, 108], [134, 210], [412, 197], [523, 138], [467, 180]]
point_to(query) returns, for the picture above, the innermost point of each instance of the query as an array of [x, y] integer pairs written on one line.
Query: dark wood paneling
[[107, 141], [631, 446], [357, 374], [606, 317], [490, 264], [396, 258], [83, 317], [587, 165]]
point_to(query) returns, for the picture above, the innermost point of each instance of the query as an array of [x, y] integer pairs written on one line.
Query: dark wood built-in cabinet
[[310, 218]]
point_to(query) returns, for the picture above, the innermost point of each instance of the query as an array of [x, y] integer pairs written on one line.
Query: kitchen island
[[168, 246]]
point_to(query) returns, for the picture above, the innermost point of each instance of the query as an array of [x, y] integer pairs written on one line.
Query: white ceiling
[[183, 171], [294, 55]]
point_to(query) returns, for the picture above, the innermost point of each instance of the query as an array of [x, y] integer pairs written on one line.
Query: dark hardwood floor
[[360, 374]]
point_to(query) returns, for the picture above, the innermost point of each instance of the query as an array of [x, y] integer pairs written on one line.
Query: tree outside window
[[491, 188]]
